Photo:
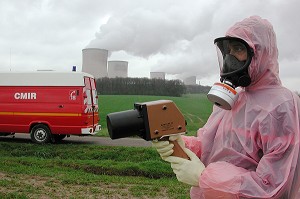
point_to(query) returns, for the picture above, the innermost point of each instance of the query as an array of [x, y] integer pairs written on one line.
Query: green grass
[[29, 170], [80, 171], [196, 108]]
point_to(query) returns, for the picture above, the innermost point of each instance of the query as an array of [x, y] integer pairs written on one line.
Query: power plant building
[[94, 62], [190, 80], [157, 75], [117, 69]]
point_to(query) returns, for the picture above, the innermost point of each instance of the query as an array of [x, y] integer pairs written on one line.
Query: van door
[[92, 99]]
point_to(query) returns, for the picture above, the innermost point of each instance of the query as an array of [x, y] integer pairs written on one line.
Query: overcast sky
[[172, 36]]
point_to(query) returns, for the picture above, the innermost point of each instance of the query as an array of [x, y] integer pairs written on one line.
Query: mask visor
[[234, 55]]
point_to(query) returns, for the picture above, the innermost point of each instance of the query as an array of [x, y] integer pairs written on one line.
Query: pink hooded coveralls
[[252, 151]]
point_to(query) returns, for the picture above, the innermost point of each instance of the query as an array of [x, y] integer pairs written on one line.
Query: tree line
[[146, 86]]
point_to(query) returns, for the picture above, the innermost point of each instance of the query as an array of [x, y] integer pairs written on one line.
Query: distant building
[[117, 69], [190, 80], [94, 62], [157, 75]]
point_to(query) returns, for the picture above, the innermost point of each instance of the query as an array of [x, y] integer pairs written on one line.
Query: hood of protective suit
[[259, 34]]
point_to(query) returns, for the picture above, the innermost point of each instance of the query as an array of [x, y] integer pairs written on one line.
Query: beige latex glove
[[187, 171], [177, 138], [165, 148]]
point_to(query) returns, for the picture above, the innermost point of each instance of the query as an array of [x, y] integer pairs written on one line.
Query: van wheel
[[40, 134]]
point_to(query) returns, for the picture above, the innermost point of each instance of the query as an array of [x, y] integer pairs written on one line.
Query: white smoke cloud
[[178, 39], [145, 32], [169, 36]]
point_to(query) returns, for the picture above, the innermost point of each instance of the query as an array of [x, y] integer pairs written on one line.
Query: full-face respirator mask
[[234, 56]]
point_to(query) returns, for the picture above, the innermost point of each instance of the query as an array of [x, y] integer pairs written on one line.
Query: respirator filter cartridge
[[222, 95]]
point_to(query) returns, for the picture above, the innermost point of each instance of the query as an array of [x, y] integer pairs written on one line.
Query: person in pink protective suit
[[250, 150]]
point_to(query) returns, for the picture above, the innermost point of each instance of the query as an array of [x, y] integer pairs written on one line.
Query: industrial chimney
[[117, 69]]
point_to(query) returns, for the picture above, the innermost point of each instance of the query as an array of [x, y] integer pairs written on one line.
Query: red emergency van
[[48, 105]]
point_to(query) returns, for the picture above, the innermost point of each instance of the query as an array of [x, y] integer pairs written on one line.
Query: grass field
[[85, 171], [63, 170], [196, 108]]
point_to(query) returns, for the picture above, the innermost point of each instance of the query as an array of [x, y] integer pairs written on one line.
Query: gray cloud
[[145, 32], [171, 36]]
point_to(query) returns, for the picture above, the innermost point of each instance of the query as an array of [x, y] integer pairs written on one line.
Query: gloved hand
[[165, 148], [187, 171], [179, 139]]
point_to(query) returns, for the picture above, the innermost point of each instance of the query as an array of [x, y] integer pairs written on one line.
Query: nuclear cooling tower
[[157, 75], [94, 61], [117, 69], [192, 80]]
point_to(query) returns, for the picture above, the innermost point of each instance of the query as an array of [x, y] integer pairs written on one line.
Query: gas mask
[[234, 56]]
